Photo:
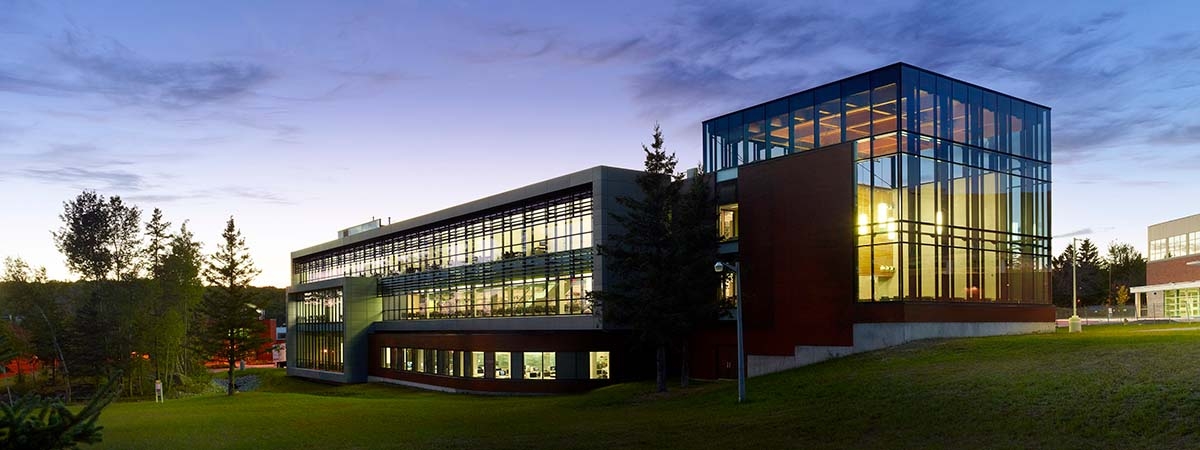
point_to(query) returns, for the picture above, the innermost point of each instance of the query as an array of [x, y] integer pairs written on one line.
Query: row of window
[[1175, 246], [548, 226], [498, 365], [565, 294], [936, 149], [870, 104]]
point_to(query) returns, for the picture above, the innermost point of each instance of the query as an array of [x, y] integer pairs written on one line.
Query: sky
[[299, 119]]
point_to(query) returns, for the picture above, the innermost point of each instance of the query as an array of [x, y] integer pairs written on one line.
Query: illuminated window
[[540, 366], [727, 221], [503, 365], [477, 364], [599, 368], [385, 358], [856, 107], [803, 125]]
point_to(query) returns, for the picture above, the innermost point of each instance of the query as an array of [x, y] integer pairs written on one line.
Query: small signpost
[[158, 391]]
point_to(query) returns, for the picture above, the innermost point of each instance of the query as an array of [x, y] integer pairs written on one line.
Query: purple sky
[[301, 119]]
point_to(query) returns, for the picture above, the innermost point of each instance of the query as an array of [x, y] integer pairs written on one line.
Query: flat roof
[[897, 65], [1193, 217], [574, 179], [1165, 286]]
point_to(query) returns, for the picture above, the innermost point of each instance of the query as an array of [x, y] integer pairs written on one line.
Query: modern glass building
[[894, 205], [491, 295], [1172, 288], [939, 190]]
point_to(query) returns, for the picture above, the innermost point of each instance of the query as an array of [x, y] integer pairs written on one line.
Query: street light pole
[[741, 351], [1073, 324]]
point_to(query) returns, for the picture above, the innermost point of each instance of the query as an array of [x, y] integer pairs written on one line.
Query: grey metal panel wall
[[612, 184], [363, 306]]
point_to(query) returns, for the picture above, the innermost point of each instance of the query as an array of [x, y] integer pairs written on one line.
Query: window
[[779, 123], [503, 365], [477, 365], [756, 135], [599, 369], [540, 366], [803, 125], [1158, 249], [883, 108], [1177, 246], [857, 108], [829, 116], [727, 225], [385, 358]]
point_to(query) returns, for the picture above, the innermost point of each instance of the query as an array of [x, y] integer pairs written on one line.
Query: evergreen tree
[[231, 328], [662, 259], [157, 240], [694, 230], [1089, 274]]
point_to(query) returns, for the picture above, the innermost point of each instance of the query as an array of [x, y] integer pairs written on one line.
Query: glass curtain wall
[[532, 259], [953, 181], [955, 207], [319, 329]]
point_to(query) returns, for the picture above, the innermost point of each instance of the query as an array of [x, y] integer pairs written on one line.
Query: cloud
[[85, 64], [119, 180], [1095, 69], [222, 193]]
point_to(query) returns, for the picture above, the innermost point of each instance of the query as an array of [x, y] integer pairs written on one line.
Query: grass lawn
[[1117, 386]]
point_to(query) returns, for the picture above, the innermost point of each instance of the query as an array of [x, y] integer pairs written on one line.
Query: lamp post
[[1073, 324], [741, 352]]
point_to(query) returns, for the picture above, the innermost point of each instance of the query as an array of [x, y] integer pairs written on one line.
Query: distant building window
[[727, 222], [1158, 249]]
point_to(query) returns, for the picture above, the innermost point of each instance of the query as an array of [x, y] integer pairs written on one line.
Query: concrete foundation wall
[[874, 336]]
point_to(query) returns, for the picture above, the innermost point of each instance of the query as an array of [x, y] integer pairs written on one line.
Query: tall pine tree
[[662, 259], [231, 330]]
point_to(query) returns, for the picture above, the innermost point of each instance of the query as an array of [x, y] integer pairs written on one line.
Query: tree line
[[1102, 280], [148, 303]]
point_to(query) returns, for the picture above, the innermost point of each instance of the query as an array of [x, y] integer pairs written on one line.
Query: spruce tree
[[231, 330], [662, 259]]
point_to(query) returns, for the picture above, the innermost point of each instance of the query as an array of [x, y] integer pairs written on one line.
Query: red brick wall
[[1173, 270]]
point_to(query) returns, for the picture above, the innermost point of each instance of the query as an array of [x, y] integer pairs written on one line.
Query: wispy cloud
[[711, 57], [222, 193], [107, 179], [91, 64]]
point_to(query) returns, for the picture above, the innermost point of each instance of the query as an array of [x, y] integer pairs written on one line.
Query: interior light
[[863, 221], [938, 222]]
